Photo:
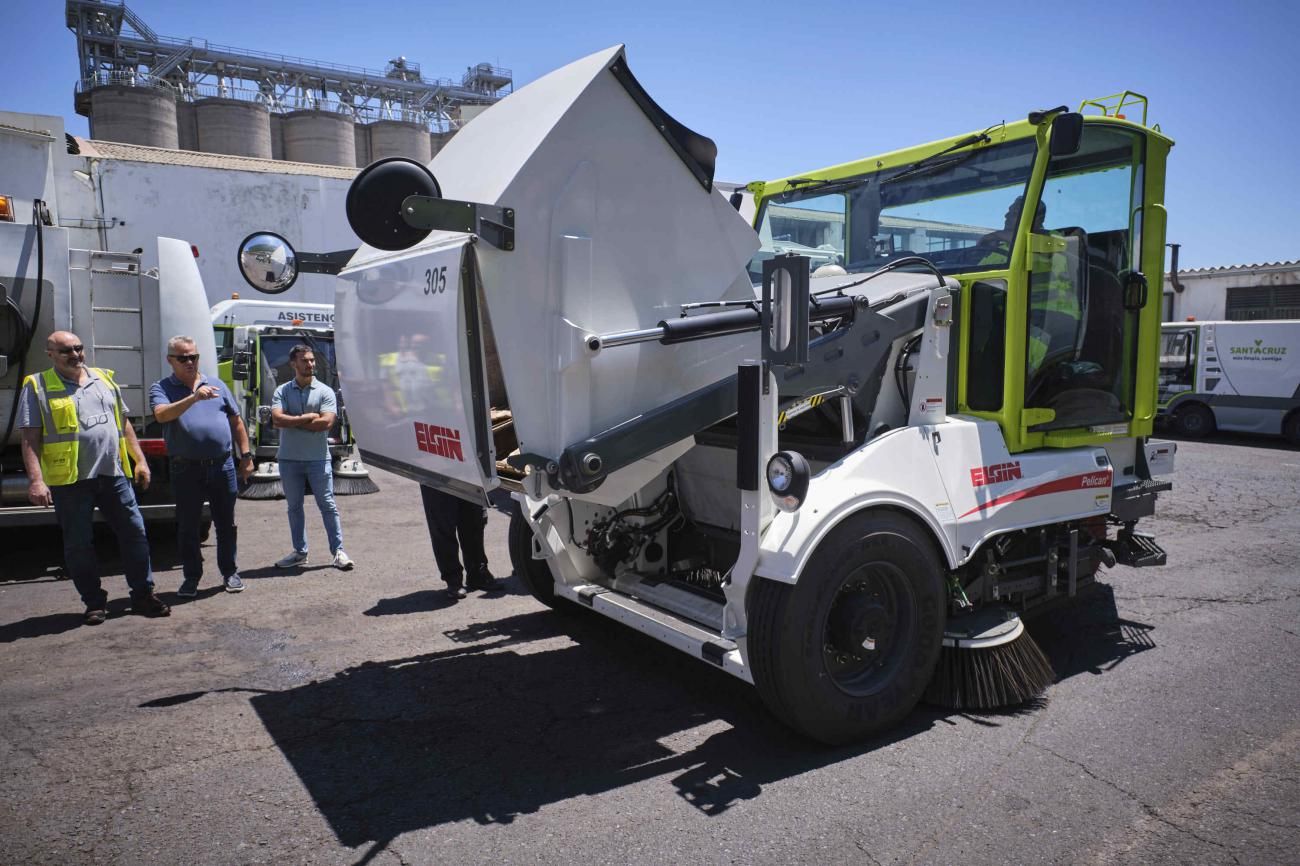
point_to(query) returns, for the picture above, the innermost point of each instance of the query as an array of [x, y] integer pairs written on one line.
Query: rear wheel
[[1291, 428], [848, 650], [1194, 421], [535, 573]]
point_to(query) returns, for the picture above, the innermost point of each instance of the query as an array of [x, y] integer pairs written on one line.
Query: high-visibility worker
[[1055, 314], [78, 450]]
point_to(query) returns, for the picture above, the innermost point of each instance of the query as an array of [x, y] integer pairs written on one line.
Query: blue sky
[[784, 87]]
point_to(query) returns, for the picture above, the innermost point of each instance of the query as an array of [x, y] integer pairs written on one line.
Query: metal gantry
[[116, 46]]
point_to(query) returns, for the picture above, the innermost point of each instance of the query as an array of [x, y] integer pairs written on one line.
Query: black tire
[[876, 575], [1195, 421], [535, 573], [1291, 428]]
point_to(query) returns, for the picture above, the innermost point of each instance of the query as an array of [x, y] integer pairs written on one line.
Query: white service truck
[[842, 487], [123, 313], [1240, 376]]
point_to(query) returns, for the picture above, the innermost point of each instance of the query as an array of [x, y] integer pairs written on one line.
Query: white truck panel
[[613, 232], [401, 360], [957, 478], [1260, 358]]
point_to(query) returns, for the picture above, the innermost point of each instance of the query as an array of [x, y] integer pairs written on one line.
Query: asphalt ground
[[330, 717]]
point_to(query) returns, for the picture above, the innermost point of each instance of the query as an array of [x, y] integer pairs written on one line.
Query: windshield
[[960, 211], [274, 358]]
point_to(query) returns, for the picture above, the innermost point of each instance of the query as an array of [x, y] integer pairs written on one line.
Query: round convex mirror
[[268, 262]]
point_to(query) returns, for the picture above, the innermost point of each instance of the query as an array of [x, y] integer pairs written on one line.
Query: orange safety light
[[297, 322], [1120, 117], [6, 209], [234, 296], [1191, 318]]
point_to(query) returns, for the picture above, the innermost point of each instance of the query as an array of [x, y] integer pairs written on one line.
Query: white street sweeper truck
[[253, 340], [841, 476]]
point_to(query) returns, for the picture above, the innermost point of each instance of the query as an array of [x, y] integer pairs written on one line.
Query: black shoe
[[148, 604], [95, 616], [483, 580], [456, 592]]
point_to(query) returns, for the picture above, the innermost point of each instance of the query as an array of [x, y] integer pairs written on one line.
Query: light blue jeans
[[294, 475]]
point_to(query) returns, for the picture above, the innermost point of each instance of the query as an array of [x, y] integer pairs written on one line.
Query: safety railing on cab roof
[[1119, 105]]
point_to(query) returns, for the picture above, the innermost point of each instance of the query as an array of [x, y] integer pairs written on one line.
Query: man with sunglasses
[[78, 450], [200, 422]]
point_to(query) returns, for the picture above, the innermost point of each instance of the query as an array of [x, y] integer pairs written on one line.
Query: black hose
[[37, 206]]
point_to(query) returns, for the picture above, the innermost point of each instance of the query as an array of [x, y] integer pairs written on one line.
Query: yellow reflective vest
[[59, 426]]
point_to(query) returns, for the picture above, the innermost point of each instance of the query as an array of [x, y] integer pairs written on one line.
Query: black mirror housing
[[1067, 132]]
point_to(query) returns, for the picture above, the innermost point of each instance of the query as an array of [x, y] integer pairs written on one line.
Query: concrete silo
[[277, 136], [187, 126], [400, 138], [363, 144], [323, 137], [134, 115], [437, 140], [233, 126]]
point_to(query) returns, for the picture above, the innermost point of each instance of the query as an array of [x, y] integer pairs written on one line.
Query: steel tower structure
[[116, 47]]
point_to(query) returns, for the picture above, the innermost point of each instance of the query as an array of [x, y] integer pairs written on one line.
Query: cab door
[[1092, 322]]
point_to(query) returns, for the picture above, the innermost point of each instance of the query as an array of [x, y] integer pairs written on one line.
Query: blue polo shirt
[[295, 443], [203, 430]]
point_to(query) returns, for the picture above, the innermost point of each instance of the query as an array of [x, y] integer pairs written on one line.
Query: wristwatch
[[247, 455]]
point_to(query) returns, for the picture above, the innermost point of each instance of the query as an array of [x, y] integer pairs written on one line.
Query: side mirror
[[1067, 132], [240, 366], [268, 262]]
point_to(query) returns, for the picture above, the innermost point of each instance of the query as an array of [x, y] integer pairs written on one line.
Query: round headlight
[[788, 474]]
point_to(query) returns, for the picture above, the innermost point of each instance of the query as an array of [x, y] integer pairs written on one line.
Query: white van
[[1241, 376]]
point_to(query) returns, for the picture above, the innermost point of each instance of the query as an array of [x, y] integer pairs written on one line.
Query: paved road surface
[[323, 717]]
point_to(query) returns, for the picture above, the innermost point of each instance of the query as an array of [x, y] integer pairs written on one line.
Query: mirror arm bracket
[[324, 263], [495, 225]]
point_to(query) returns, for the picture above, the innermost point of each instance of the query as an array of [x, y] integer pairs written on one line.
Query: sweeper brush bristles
[[355, 485], [987, 670], [263, 490]]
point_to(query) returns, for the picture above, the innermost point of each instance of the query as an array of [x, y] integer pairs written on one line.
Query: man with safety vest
[[1054, 311], [78, 447]]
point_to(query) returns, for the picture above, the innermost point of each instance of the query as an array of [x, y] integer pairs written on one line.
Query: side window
[[812, 227], [986, 347]]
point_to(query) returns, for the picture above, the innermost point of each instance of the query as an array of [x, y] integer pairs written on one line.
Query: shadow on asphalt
[[1089, 636], [496, 729], [37, 551], [493, 730]]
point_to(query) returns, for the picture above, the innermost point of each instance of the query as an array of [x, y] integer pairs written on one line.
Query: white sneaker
[[342, 561], [291, 560]]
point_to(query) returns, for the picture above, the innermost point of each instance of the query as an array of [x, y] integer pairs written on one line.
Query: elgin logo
[[443, 441], [995, 474]]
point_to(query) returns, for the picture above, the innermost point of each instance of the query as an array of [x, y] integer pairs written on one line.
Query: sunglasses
[[72, 350], [186, 359]]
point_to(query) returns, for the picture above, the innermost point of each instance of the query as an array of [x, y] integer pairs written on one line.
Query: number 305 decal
[[435, 280]]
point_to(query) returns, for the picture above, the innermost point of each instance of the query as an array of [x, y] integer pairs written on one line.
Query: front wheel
[[535, 573], [848, 650]]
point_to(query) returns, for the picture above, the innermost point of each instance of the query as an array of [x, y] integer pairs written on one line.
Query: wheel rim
[[869, 629]]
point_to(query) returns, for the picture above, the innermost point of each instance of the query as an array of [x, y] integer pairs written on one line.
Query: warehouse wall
[[216, 209]]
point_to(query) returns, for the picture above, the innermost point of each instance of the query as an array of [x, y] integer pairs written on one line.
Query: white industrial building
[[122, 197], [1233, 293]]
